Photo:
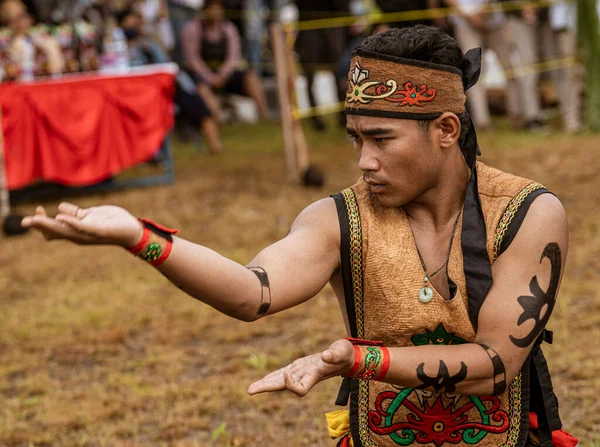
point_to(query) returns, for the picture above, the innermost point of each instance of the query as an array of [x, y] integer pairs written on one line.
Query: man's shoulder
[[493, 182], [321, 216]]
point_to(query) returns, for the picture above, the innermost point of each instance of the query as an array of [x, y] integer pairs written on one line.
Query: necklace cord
[[449, 251]]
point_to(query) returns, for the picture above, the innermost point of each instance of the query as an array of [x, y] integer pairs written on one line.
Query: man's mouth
[[375, 187]]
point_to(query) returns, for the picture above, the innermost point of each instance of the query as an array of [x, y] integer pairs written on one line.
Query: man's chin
[[387, 200]]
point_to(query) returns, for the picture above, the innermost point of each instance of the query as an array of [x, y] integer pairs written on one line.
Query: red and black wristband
[[156, 243]]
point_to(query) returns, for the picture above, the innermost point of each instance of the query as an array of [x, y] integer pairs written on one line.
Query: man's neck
[[437, 208]]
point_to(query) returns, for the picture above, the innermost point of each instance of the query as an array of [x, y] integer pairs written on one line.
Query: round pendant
[[425, 294]]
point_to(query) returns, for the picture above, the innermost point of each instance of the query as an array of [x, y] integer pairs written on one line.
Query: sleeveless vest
[[382, 275], [213, 52]]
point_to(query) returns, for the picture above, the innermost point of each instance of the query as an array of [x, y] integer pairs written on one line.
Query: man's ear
[[448, 128]]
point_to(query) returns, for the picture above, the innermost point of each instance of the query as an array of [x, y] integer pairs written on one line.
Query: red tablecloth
[[83, 130]]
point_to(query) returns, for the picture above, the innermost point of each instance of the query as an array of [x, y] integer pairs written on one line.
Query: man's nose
[[368, 161]]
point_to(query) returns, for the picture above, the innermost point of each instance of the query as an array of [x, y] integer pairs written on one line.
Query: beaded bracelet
[[371, 360], [156, 243]]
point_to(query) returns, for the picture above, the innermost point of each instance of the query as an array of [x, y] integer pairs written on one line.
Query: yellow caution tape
[[408, 16]]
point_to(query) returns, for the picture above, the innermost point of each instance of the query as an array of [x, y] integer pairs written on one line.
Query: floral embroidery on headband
[[411, 95]]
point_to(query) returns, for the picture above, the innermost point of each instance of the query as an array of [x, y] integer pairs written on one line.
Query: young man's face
[[396, 156]]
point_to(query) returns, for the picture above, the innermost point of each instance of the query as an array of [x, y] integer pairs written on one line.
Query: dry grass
[[96, 349]]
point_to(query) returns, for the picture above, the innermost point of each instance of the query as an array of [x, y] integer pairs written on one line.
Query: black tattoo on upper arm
[[443, 381], [533, 305], [265, 303], [499, 370]]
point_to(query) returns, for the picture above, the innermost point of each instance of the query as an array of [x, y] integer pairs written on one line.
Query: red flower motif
[[435, 423], [412, 95]]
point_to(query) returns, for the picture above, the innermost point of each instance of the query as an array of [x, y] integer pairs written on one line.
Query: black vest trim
[[354, 413], [478, 272], [345, 260], [346, 386], [543, 400], [476, 261], [525, 399], [515, 225]]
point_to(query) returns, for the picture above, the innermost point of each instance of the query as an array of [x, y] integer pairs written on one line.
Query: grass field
[[96, 349]]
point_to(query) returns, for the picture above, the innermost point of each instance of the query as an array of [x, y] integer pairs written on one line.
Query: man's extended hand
[[107, 225], [303, 374]]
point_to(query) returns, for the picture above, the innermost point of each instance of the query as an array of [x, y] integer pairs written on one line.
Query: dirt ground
[[96, 349]]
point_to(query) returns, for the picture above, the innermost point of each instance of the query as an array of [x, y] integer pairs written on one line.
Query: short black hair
[[422, 43]]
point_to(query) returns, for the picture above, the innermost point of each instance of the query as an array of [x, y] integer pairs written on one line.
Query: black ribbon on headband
[[476, 261]]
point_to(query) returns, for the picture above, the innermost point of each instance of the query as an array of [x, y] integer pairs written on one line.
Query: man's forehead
[[370, 124]]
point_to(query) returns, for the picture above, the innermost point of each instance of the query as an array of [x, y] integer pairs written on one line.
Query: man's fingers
[[72, 221], [272, 382], [72, 210], [295, 386], [27, 221], [303, 385], [53, 229], [292, 385]]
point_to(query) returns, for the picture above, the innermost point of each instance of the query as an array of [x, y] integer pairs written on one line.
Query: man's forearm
[[214, 279], [470, 369]]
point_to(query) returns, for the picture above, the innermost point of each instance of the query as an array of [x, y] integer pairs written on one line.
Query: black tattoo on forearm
[[265, 291], [443, 381], [499, 370], [533, 305]]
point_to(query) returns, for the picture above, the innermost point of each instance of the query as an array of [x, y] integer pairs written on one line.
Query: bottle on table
[[28, 62], [115, 57]]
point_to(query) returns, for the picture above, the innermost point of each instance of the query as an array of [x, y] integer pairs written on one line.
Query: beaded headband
[[394, 87]]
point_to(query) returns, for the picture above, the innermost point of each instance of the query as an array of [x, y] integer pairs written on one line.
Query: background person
[[145, 50], [212, 53]]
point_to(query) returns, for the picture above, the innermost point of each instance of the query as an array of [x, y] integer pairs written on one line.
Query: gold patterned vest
[[384, 274]]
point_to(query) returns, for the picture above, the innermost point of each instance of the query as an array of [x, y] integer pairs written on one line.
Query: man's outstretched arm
[[283, 275], [526, 281]]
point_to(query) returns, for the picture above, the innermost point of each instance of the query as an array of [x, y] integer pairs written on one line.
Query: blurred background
[[183, 111]]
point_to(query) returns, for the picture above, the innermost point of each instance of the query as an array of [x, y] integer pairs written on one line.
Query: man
[[180, 13], [319, 49], [446, 271], [144, 50], [212, 51], [549, 31], [473, 27]]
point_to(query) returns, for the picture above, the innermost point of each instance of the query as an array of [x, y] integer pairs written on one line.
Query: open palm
[[303, 374], [97, 225]]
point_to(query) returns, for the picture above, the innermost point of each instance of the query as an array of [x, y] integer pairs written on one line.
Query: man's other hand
[[105, 225], [303, 374]]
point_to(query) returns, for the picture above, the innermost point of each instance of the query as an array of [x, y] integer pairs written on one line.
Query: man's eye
[[381, 140], [355, 138]]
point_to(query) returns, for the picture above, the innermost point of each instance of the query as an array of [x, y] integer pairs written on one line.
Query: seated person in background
[[212, 52], [144, 50]]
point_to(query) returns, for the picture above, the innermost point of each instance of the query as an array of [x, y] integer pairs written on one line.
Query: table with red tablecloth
[[82, 130]]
